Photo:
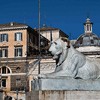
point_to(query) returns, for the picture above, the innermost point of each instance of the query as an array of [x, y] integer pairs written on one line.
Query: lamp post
[[0, 80], [18, 81], [39, 35], [17, 89], [17, 94]]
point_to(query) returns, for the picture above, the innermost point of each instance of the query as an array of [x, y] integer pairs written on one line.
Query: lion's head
[[58, 46]]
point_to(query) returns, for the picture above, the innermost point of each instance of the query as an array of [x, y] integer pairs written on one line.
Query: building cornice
[[13, 28]]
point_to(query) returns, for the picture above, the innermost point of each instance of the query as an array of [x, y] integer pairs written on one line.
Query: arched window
[[4, 70], [88, 27]]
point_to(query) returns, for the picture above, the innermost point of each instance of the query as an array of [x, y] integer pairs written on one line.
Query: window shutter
[[15, 37], [6, 53], [7, 37], [0, 37], [21, 51], [0, 53], [21, 36], [15, 52]]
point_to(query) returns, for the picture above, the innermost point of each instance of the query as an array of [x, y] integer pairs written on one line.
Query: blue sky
[[68, 15]]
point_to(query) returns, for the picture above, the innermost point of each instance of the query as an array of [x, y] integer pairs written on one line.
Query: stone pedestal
[[65, 89]]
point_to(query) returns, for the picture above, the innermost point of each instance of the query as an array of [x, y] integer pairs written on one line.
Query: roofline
[[13, 28], [47, 29], [63, 33]]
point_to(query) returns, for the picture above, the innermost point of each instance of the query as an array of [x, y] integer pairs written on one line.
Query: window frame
[[4, 37], [17, 52], [4, 78], [4, 86], [3, 52], [18, 36]]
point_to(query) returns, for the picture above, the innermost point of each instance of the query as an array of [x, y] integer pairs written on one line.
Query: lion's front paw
[[41, 76]]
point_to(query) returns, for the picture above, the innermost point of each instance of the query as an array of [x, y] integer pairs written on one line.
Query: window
[[18, 36], [88, 28], [3, 37], [4, 70], [92, 41], [3, 83], [34, 40], [18, 69], [18, 51], [4, 52], [18, 80]]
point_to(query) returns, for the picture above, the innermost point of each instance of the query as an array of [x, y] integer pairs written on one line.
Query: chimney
[[11, 23]]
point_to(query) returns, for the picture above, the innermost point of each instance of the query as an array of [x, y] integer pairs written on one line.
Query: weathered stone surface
[[65, 95], [1, 95], [65, 89], [65, 84]]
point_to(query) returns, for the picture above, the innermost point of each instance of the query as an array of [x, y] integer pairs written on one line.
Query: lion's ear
[[68, 44]]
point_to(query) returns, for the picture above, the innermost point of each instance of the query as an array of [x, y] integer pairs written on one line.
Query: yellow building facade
[[17, 43], [19, 50]]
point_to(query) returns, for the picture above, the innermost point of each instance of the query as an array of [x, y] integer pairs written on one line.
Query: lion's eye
[[55, 43]]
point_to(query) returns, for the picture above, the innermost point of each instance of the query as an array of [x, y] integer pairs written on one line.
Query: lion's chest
[[74, 60]]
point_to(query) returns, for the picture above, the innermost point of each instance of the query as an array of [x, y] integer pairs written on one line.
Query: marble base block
[[65, 89], [65, 95], [65, 84]]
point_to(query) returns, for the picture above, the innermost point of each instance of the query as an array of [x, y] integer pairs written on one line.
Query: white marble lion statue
[[71, 63]]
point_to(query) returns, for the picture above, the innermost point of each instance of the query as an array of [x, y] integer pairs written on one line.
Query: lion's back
[[90, 70]]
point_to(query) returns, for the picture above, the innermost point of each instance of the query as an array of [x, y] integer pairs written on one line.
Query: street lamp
[[18, 81], [0, 79], [39, 35], [17, 94], [16, 89]]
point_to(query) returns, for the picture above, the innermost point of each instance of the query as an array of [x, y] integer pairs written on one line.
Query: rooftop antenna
[[39, 35], [45, 20], [88, 15], [70, 36], [24, 20]]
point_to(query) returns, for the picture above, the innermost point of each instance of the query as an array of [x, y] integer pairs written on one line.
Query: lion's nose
[[50, 50]]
